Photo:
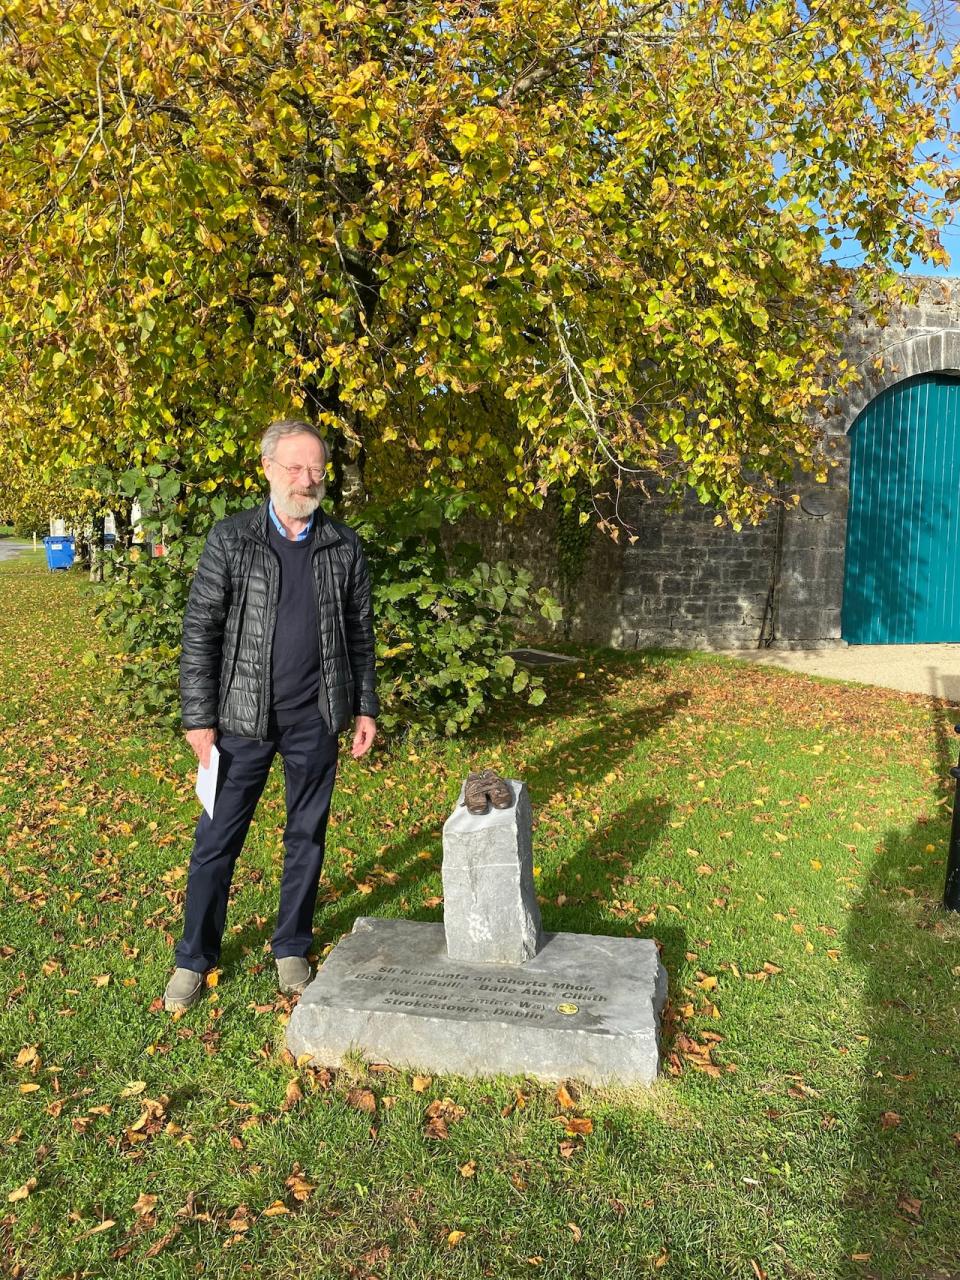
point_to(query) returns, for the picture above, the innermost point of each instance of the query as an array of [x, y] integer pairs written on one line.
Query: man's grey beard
[[296, 506]]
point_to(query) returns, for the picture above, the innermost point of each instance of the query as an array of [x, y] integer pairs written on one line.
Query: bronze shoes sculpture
[[484, 788]]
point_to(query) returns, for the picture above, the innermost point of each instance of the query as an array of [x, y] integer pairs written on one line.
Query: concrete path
[[912, 668], [9, 548]]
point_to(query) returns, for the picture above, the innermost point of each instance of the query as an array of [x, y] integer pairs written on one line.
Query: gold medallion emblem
[[567, 1008]]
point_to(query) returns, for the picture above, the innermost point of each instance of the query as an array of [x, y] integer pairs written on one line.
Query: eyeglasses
[[295, 473]]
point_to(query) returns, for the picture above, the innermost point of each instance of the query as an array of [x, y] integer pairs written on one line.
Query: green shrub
[[443, 622]]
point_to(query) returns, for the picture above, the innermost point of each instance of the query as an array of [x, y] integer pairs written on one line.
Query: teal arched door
[[903, 525]]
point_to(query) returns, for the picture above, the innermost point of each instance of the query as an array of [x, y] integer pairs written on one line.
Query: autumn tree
[[506, 247], [501, 244]]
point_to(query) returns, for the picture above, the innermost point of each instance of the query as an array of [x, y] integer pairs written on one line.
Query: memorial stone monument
[[487, 992]]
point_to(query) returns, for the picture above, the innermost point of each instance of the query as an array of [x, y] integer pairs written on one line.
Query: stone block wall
[[687, 583], [592, 608]]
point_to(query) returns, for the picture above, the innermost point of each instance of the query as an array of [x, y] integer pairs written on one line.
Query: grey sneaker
[[293, 973], [184, 989]]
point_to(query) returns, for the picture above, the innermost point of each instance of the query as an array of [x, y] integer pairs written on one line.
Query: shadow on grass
[[904, 1174], [589, 688], [584, 877]]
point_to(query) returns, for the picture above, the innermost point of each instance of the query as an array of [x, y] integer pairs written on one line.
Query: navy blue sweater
[[295, 666]]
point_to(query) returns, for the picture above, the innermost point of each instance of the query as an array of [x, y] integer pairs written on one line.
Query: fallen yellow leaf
[[293, 1095], [565, 1098], [101, 1226], [578, 1124]]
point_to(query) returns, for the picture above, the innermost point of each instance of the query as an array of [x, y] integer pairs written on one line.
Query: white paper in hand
[[207, 781]]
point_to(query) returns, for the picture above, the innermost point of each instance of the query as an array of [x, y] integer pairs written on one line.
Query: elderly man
[[278, 655]]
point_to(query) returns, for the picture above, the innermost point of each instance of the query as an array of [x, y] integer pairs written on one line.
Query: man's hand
[[364, 736], [202, 740]]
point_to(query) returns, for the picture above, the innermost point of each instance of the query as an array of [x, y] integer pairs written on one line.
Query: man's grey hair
[[289, 427]]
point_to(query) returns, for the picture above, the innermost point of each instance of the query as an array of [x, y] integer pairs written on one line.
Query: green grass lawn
[[783, 838]]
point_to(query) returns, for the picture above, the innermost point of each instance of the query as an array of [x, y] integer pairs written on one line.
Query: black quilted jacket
[[230, 617]]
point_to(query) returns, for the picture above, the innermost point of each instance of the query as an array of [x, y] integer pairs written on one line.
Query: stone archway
[[903, 516], [812, 557], [933, 351]]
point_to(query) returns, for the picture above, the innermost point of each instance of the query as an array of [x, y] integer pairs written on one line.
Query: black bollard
[[951, 890]]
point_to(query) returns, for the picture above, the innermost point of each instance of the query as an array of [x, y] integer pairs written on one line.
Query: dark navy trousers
[[309, 753]]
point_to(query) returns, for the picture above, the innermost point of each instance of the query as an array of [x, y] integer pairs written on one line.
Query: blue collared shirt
[[282, 531]]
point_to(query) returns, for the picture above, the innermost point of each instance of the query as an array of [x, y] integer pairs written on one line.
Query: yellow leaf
[[300, 1188], [213, 977], [29, 1088], [816, 864], [709, 983], [293, 1095], [578, 1124], [455, 1237], [275, 1210], [21, 1193], [362, 1100], [422, 1083], [102, 1226], [565, 1098], [131, 1090]]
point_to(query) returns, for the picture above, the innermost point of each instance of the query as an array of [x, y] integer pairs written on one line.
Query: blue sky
[[850, 254]]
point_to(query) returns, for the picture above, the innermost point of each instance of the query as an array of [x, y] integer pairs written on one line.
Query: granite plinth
[[490, 909], [585, 1007]]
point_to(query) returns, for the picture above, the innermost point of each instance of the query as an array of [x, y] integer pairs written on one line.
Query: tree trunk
[[97, 548]]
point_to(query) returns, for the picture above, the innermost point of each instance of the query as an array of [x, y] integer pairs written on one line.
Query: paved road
[[912, 668], [9, 548]]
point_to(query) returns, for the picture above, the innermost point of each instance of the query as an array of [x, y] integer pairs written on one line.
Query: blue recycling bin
[[59, 551]]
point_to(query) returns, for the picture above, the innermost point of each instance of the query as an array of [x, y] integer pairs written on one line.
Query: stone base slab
[[586, 1007]]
